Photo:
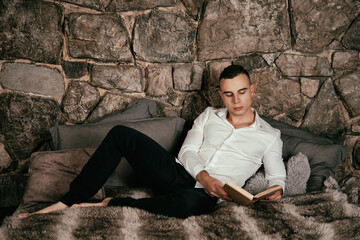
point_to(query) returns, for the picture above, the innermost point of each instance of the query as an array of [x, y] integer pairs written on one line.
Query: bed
[[313, 206]]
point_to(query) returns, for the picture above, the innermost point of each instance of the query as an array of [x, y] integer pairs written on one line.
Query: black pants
[[173, 185]]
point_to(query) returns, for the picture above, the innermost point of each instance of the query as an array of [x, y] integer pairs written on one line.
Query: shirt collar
[[222, 113]]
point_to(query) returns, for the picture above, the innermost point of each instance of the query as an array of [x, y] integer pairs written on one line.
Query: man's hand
[[274, 197], [213, 186]]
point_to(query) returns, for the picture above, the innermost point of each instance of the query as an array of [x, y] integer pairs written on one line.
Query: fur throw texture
[[317, 215]]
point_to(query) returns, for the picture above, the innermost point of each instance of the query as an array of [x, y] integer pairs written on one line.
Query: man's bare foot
[[104, 203], [52, 208]]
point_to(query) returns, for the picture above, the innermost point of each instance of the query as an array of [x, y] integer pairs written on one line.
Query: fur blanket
[[318, 215]]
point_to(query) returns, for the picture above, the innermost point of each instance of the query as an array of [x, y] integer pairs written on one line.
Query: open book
[[243, 197]]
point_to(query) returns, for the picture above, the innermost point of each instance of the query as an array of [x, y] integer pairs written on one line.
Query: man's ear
[[220, 93], [252, 90]]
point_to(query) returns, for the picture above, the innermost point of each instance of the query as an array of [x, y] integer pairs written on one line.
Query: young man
[[223, 144]]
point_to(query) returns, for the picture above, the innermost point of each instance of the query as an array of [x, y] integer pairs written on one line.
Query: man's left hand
[[274, 197]]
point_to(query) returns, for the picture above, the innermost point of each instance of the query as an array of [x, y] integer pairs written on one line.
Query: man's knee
[[119, 130]]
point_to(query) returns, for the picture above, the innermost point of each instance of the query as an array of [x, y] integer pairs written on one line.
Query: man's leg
[[181, 203], [150, 161]]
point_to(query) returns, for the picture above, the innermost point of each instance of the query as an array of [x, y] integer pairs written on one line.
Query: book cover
[[243, 197]]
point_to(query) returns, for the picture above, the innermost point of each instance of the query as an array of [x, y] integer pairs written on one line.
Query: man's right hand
[[213, 186]]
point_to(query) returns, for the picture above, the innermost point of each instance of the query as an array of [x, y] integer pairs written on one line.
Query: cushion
[[91, 135], [163, 130], [297, 175], [50, 175], [323, 154], [137, 109]]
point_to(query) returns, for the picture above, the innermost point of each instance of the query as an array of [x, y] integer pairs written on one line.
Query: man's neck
[[241, 121]]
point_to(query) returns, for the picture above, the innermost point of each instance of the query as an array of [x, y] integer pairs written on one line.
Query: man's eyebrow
[[241, 89]]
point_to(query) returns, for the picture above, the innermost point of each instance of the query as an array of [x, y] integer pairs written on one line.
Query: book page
[[267, 192]]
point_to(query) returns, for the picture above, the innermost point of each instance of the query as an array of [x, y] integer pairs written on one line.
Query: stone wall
[[73, 61]]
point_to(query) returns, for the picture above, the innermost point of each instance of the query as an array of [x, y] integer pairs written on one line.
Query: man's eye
[[228, 95], [242, 92]]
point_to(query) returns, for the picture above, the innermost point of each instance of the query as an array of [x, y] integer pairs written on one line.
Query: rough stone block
[[349, 89], [324, 117], [215, 69], [5, 160], [101, 37], [356, 127], [194, 104], [25, 121], [346, 60], [309, 86], [188, 77], [164, 37], [75, 69], [230, 29], [126, 5], [31, 30], [351, 39], [270, 58], [211, 94], [122, 77], [32, 79], [317, 23], [251, 62], [79, 100], [293, 65], [275, 95], [159, 80], [95, 4]]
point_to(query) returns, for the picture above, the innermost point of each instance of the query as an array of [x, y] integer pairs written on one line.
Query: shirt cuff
[[198, 168], [277, 182]]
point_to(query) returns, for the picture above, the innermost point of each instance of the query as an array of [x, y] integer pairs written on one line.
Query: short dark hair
[[233, 71]]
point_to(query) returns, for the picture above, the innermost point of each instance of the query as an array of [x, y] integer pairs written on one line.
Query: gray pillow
[[323, 158], [297, 175], [323, 154], [163, 130], [137, 109], [50, 175]]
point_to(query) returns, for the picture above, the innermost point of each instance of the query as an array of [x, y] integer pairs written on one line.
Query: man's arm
[[188, 154], [274, 167]]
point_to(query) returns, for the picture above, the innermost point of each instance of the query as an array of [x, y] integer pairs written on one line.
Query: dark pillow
[[323, 154], [137, 109], [50, 175], [296, 132]]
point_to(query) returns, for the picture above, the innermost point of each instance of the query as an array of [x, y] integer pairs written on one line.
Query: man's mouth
[[238, 108]]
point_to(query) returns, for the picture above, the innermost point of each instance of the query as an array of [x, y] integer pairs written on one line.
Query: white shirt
[[230, 154]]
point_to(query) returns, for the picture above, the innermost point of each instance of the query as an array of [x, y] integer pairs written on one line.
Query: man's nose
[[236, 98]]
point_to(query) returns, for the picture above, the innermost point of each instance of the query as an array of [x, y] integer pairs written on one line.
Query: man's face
[[237, 94]]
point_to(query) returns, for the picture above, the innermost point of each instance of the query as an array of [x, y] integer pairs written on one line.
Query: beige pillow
[[50, 175]]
